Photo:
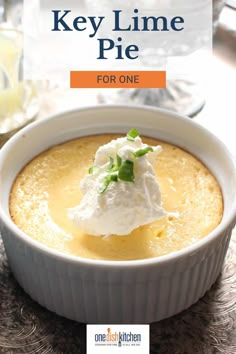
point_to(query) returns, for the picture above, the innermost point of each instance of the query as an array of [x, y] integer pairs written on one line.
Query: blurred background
[[211, 103]]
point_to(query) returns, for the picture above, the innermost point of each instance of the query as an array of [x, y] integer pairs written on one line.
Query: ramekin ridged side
[[102, 295], [94, 291]]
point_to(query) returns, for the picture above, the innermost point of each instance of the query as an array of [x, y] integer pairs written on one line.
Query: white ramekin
[[93, 291]]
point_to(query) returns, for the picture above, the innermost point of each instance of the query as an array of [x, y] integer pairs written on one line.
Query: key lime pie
[[116, 198]]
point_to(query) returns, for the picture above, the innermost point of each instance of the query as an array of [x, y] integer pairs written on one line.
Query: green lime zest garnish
[[126, 171], [132, 134], [114, 166], [118, 160], [118, 169], [105, 185], [111, 164], [143, 152], [91, 169]]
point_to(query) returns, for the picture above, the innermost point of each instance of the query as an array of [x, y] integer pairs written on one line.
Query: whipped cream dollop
[[119, 206]]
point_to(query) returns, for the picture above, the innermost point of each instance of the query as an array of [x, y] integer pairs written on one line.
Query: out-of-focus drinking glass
[[184, 92], [19, 101], [18, 98], [217, 8]]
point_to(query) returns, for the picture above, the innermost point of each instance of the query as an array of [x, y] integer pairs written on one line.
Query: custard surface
[[50, 184]]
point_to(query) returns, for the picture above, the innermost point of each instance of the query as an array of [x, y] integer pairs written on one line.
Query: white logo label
[[120, 339]]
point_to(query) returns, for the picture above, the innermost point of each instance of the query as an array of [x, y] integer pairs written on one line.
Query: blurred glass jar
[[217, 8], [186, 59], [18, 98]]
